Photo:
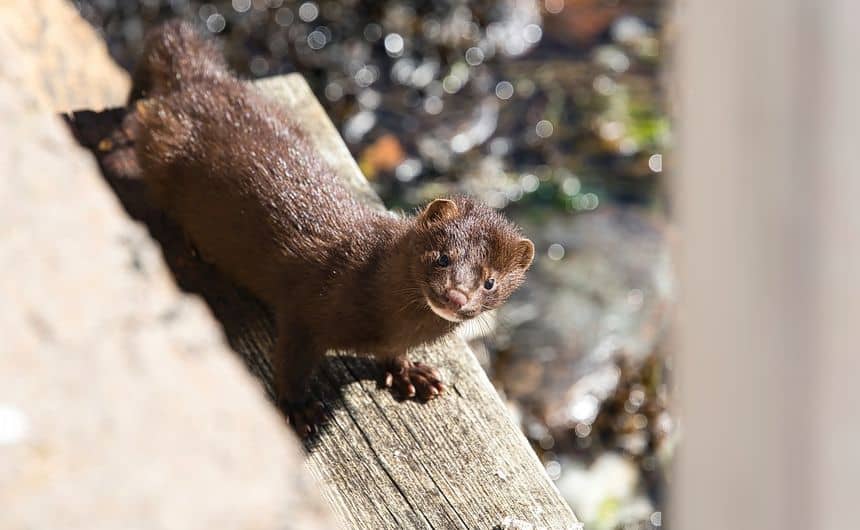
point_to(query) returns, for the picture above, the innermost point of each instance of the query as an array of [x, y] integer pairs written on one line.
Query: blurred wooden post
[[769, 328]]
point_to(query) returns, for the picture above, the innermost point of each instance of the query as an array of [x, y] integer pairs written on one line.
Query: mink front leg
[[408, 379], [294, 360]]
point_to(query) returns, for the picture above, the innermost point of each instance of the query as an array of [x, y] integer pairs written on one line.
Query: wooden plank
[[456, 462]]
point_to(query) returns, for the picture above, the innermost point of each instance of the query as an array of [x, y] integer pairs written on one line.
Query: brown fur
[[256, 200]]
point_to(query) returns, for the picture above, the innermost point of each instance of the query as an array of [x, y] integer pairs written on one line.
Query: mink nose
[[456, 298]]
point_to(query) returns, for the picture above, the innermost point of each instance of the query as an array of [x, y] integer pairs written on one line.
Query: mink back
[[234, 170]]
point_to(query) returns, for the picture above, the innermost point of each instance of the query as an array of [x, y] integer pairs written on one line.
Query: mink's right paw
[[306, 417], [412, 380]]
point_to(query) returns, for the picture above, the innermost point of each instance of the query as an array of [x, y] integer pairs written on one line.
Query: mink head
[[467, 258]]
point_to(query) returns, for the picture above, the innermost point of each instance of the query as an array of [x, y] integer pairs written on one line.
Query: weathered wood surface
[[456, 462]]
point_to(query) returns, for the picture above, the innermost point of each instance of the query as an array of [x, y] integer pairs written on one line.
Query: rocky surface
[[121, 406], [58, 57]]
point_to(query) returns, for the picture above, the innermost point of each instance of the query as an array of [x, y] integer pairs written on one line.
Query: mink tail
[[174, 56]]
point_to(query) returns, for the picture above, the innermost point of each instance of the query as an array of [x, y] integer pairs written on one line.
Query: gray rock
[[58, 57], [120, 405]]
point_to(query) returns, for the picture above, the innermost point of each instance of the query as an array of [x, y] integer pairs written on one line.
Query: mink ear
[[524, 253], [439, 210]]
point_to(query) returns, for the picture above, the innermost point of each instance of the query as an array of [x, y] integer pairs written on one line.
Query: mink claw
[[408, 380], [305, 417]]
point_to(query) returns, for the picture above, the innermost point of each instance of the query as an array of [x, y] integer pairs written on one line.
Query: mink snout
[[456, 299]]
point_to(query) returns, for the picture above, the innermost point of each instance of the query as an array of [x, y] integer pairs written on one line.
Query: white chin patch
[[441, 312]]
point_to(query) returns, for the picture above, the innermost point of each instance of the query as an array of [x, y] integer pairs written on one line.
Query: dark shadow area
[[247, 323]]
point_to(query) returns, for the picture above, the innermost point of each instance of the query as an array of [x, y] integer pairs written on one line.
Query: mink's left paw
[[408, 379]]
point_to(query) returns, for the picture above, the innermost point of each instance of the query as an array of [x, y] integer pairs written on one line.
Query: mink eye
[[443, 260], [488, 285]]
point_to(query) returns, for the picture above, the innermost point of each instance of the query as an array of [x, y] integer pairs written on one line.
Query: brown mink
[[239, 176]]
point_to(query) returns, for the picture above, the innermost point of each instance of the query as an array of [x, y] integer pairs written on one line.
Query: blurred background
[[552, 110]]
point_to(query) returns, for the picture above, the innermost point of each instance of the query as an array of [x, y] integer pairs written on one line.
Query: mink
[[256, 200]]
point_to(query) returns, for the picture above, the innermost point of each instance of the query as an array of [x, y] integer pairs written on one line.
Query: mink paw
[[306, 417], [409, 380]]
